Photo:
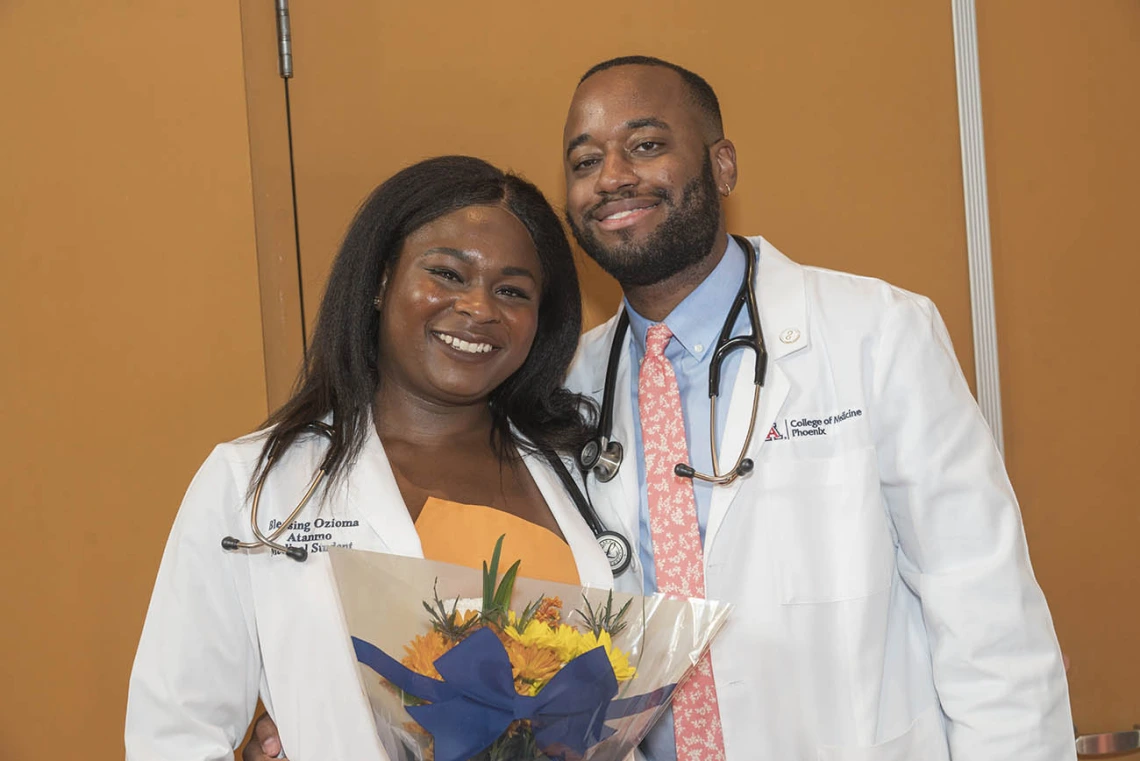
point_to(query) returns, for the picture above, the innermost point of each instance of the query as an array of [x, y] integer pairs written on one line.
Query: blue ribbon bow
[[476, 701]]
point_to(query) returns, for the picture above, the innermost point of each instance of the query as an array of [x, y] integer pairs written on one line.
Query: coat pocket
[[832, 538], [924, 740]]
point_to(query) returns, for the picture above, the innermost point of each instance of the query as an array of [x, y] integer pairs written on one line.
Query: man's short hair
[[700, 92]]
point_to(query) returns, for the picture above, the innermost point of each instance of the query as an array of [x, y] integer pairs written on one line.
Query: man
[[885, 606]]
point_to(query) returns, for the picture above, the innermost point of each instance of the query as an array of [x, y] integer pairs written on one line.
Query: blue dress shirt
[[696, 324]]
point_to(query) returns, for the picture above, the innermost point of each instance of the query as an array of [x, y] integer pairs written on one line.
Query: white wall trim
[[977, 216]]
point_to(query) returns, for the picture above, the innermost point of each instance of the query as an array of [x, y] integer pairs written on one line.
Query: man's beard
[[684, 238]]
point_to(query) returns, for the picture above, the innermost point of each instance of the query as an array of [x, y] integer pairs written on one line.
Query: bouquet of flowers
[[498, 670]]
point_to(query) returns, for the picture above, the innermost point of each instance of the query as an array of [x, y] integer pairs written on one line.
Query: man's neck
[[655, 302]]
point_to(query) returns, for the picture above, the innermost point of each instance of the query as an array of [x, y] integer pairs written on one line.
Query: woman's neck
[[403, 417]]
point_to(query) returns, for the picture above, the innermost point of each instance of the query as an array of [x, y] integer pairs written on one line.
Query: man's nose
[[616, 174]]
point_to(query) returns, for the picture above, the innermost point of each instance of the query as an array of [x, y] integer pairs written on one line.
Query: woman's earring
[[376, 302]]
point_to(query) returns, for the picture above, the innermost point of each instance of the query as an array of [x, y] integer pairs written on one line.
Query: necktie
[[677, 553]]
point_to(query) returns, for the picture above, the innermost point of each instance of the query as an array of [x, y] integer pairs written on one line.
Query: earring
[[376, 302], [727, 190]]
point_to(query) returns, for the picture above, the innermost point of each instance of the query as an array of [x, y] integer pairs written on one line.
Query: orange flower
[[549, 611], [421, 653], [533, 666]]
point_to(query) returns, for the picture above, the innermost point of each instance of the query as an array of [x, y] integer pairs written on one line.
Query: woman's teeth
[[461, 345]]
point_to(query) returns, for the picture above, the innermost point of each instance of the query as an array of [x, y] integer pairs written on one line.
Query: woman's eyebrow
[[447, 251], [467, 258]]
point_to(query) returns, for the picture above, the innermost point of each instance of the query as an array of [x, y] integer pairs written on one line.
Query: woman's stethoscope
[[601, 455], [300, 554]]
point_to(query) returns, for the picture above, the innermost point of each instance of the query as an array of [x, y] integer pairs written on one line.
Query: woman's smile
[[462, 346]]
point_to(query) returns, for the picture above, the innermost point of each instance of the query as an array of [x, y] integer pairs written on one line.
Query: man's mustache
[[661, 193]]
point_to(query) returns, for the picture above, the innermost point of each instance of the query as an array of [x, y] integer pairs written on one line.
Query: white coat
[[885, 606], [226, 627]]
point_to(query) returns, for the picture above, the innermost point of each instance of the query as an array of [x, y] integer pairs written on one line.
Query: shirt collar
[[697, 321]]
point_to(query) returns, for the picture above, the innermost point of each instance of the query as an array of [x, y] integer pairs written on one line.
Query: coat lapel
[[593, 568], [783, 316], [373, 491]]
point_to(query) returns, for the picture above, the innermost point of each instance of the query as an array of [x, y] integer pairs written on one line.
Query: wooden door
[[845, 120]]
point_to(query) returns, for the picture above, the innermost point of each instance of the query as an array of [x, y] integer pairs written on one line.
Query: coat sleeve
[[962, 550], [194, 684]]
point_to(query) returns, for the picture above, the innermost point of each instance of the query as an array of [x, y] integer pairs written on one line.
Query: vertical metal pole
[[977, 216], [285, 69], [284, 41]]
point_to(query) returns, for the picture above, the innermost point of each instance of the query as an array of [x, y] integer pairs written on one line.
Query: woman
[[451, 314]]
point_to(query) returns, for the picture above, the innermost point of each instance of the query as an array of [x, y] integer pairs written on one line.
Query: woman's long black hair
[[340, 374]]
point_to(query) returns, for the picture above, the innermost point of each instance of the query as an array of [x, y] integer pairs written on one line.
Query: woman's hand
[[264, 744]]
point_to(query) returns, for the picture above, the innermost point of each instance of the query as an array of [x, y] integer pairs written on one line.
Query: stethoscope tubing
[[260, 539], [606, 454]]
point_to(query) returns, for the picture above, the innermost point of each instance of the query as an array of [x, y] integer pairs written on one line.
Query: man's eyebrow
[[648, 121], [632, 124], [584, 137]]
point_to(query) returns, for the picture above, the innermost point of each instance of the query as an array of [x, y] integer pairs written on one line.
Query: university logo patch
[[774, 434]]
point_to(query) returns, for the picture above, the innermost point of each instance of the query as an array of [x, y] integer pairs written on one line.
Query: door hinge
[[284, 41]]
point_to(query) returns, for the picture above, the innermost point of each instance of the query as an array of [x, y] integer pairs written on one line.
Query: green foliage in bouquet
[[604, 619], [497, 601], [449, 623]]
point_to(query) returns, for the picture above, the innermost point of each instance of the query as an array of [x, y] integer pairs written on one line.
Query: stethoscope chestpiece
[[602, 461], [617, 549]]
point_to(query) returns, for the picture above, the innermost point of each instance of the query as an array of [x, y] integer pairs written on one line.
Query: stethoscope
[[602, 455], [300, 554], [615, 546]]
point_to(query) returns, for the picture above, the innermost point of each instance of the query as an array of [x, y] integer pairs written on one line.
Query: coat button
[[790, 336]]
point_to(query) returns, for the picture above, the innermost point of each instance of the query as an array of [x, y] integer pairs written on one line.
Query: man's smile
[[617, 215]]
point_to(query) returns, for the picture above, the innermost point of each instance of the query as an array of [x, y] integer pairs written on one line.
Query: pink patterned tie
[[677, 551]]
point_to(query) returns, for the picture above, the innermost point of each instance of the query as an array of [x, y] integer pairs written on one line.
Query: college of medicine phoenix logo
[[774, 434]]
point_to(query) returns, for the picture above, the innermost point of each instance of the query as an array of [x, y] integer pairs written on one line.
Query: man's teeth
[[459, 343], [624, 214]]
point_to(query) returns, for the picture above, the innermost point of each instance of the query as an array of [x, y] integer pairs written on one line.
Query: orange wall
[[1062, 128], [845, 122], [129, 331]]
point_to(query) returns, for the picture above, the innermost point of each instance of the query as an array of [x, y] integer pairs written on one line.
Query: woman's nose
[[477, 303]]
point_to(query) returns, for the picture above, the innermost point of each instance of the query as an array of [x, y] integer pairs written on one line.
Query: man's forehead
[[626, 94], [636, 84]]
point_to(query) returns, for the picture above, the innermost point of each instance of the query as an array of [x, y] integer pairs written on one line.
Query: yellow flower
[[421, 653], [567, 642], [533, 666], [619, 661], [536, 633]]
